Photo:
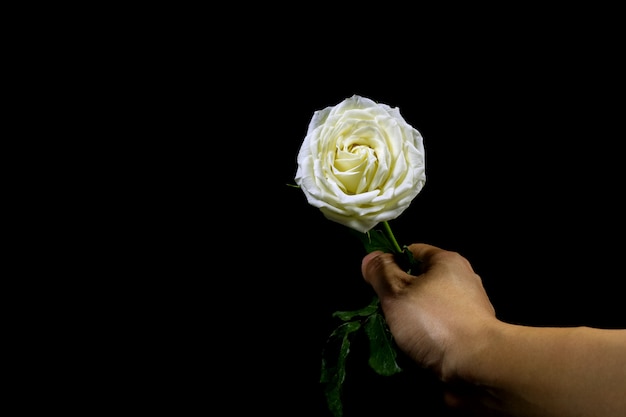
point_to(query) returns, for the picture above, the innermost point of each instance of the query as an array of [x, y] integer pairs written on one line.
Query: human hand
[[438, 317]]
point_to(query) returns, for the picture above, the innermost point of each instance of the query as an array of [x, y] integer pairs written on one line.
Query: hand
[[436, 317], [443, 319]]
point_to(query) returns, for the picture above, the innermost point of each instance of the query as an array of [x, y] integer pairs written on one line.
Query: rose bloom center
[[355, 163]]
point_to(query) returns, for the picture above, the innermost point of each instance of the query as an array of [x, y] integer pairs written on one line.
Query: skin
[[444, 320]]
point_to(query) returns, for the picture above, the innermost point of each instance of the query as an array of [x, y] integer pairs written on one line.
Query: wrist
[[470, 357]]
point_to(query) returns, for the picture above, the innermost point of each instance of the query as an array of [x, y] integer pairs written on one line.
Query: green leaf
[[378, 240], [334, 371], [406, 260], [375, 240], [363, 312], [382, 351]]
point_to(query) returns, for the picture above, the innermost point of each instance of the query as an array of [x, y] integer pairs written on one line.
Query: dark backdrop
[[524, 178], [524, 166]]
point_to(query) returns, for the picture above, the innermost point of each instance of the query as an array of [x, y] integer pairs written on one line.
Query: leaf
[[363, 312], [334, 373], [375, 240], [382, 351], [406, 260]]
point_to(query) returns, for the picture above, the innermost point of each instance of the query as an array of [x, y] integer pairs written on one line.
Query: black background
[[524, 178], [523, 132]]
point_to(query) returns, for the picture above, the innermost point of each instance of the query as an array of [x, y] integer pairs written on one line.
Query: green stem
[[392, 237]]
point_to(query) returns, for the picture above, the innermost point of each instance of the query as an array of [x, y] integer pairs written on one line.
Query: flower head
[[361, 163]]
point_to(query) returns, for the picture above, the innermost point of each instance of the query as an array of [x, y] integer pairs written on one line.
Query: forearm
[[547, 371]]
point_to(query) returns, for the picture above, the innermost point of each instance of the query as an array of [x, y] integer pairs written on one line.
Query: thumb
[[382, 272], [365, 265]]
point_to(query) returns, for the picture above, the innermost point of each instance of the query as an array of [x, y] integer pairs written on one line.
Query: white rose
[[361, 163]]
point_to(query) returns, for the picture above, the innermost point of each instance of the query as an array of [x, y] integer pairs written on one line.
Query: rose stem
[[391, 236]]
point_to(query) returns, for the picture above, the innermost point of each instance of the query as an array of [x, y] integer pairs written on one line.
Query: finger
[[382, 272], [375, 266], [423, 252], [430, 255]]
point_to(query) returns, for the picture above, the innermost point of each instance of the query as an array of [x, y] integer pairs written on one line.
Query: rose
[[361, 163]]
